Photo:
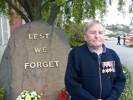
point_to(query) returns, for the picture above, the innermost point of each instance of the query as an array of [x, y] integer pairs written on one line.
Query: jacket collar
[[91, 49]]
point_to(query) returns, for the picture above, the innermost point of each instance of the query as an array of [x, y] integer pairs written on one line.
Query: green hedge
[[111, 35], [2, 93], [128, 93]]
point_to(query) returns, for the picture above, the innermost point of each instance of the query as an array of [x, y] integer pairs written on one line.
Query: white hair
[[88, 25]]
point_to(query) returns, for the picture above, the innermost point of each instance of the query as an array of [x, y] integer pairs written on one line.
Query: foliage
[[126, 29], [76, 39], [74, 34], [116, 28], [49, 10], [3, 7], [120, 4], [111, 35], [101, 6], [128, 93], [2, 93], [131, 8], [77, 10]]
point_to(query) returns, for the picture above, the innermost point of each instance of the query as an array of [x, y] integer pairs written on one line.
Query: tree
[[49, 10], [3, 7]]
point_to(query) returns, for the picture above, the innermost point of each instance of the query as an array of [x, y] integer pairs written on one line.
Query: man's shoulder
[[109, 50], [79, 48]]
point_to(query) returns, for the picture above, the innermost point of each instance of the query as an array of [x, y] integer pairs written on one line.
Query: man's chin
[[97, 46]]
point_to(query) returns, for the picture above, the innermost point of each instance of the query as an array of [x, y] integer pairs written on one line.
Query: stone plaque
[[35, 59]]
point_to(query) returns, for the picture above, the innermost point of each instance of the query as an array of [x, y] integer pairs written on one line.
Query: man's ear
[[85, 37]]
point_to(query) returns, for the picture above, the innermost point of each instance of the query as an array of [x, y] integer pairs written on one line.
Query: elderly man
[[94, 72]]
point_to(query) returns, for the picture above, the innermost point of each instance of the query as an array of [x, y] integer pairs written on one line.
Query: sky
[[113, 16]]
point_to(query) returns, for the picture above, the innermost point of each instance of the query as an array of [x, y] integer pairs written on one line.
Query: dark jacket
[[89, 76]]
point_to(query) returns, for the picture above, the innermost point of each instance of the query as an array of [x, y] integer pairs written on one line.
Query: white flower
[[34, 93], [28, 94]]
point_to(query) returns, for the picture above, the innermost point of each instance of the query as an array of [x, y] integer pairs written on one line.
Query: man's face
[[95, 36]]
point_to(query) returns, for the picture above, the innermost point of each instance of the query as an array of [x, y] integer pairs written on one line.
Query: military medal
[[107, 70], [110, 69], [103, 71], [108, 66]]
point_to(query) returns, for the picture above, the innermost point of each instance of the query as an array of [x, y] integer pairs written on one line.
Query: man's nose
[[97, 34]]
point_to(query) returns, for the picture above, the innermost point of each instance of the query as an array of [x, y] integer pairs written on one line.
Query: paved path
[[125, 54]]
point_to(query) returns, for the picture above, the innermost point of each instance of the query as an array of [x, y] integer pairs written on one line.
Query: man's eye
[[93, 32], [101, 32]]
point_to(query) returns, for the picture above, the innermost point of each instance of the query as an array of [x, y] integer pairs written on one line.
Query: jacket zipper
[[100, 82]]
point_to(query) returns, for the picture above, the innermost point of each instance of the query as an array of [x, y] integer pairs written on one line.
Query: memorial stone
[[35, 59]]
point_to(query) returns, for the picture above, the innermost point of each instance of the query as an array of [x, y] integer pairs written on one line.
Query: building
[[4, 30]]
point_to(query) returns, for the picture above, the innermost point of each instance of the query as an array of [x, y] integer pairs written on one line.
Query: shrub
[[2, 93], [76, 39], [111, 35], [128, 93]]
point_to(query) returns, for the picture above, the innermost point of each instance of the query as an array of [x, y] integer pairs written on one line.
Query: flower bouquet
[[28, 95]]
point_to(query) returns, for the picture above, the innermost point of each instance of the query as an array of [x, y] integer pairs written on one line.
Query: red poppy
[[63, 95]]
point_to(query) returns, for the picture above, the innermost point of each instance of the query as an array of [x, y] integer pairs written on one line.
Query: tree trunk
[[18, 11], [53, 14]]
